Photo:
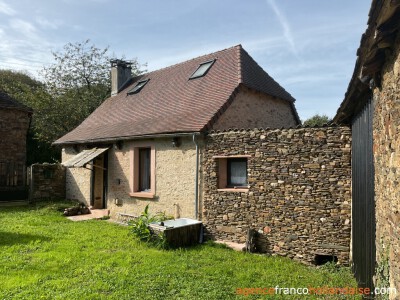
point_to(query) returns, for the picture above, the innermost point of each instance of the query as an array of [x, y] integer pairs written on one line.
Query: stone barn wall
[[386, 135], [14, 125], [298, 197]]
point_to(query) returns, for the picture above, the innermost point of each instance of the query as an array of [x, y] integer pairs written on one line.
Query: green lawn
[[45, 256]]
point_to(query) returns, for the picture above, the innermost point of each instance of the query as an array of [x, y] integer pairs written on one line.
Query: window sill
[[238, 190], [142, 195]]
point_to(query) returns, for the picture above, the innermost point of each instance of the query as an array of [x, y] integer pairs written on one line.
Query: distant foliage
[[317, 120], [78, 82], [72, 88]]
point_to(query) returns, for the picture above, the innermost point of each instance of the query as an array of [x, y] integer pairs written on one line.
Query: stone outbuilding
[[372, 108], [14, 124]]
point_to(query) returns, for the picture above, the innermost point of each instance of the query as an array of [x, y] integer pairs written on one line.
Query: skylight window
[[138, 86], [202, 69]]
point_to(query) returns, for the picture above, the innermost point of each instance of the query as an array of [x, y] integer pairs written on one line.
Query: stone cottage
[[372, 107], [145, 144], [14, 124]]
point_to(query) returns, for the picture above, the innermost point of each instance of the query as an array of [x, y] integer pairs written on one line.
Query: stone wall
[[47, 181], [386, 135], [14, 125], [299, 193], [77, 180], [256, 110]]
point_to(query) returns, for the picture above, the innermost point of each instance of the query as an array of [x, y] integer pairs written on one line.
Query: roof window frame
[[211, 62], [136, 89]]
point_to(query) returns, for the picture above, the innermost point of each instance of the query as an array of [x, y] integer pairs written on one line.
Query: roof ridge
[[240, 77], [239, 46]]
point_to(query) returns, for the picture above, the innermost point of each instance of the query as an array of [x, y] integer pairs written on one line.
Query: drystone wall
[[47, 181], [299, 191]]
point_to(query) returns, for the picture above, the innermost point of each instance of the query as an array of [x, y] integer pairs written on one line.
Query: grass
[[45, 256]]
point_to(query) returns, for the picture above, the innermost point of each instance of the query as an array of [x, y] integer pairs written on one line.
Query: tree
[[78, 82], [72, 88], [317, 120]]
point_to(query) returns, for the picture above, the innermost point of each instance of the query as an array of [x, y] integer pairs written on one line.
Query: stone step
[[94, 214], [232, 245]]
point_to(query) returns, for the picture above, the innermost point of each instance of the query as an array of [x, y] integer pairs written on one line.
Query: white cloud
[[287, 31], [87, 1], [264, 44], [23, 27], [177, 55], [6, 9], [23, 47], [47, 24]]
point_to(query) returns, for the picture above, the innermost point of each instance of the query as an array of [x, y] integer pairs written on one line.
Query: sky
[[308, 46]]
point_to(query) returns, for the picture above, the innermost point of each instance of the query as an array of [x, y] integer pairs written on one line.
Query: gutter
[[196, 190], [125, 138]]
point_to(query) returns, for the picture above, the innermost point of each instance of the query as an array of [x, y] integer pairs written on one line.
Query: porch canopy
[[84, 157]]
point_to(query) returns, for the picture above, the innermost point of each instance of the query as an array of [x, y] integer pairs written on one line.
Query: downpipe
[[196, 193]]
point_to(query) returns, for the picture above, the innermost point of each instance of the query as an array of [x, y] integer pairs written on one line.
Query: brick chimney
[[120, 74]]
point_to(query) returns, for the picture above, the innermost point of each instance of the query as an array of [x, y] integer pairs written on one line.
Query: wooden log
[[371, 54], [389, 26], [373, 65], [251, 240], [386, 42]]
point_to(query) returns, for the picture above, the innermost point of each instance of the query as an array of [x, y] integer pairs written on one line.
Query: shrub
[[141, 229], [317, 120]]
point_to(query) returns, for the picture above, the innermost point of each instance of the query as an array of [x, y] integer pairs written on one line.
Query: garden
[[43, 255]]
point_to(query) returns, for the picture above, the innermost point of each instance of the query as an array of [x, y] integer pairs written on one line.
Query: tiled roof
[[7, 102], [171, 103], [254, 77]]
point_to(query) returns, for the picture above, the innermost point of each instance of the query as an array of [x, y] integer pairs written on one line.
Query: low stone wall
[[47, 181], [299, 193]]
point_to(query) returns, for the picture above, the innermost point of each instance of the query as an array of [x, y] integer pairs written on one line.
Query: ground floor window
[[144, 170], [237, 172], [142, 173], [232, 172]]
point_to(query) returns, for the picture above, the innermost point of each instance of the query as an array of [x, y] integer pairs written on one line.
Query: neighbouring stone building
[[298, 195], [372, 107], [14, 124], [386, 136], [145, 144]]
